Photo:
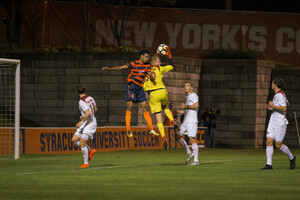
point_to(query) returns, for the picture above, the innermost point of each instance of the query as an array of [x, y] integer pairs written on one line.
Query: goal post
[[10, 104]]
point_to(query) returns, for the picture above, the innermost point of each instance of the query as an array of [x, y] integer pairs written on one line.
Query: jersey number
[[92, 109]]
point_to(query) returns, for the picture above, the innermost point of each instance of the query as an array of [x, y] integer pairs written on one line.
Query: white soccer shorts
[[276, 132], [86, 131], [190, 129]]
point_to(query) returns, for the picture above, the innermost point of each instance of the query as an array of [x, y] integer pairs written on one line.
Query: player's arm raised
[[87, 113], [116, 68]]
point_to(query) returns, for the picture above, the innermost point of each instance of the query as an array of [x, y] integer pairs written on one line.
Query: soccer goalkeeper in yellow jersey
[[158, 93]]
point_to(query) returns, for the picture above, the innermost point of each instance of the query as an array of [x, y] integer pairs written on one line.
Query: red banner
[[189, 33], [58, 140]]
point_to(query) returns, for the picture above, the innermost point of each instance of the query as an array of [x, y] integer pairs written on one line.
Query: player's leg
[[270, 135], [195, 149], [284, 149], [148, 118], [269, 150], [147, 114], [155, 105], [90, 130], [166, 110], [129, 105], [280, 133], [75, 140], [161, 129], [192, 132], [131, 97], [85, 153], [87, 133], [160, 125], [185, 146], [142, 100]]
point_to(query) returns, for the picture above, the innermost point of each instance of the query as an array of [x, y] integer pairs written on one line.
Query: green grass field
[[151, 174]]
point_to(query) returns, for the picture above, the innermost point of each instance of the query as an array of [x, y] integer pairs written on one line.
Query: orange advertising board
[[58, 140]]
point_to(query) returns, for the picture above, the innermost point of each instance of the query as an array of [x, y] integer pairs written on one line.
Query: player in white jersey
[[278, 124], [189, 126], [87, 126]]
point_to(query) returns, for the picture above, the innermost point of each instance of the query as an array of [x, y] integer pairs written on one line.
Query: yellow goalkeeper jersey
[[157, 82]]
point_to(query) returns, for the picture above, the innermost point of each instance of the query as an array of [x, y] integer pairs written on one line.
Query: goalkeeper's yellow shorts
[[157, 99]]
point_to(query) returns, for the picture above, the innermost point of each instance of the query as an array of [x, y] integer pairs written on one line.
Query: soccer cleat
[[293, 162], [189, 158], [165, 143], [92, 152], [84, 166], [153, 132], [129, 134], [194, 163], [267, 167]]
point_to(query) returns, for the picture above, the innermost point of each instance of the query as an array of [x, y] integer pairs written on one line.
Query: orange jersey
[[138, 72]]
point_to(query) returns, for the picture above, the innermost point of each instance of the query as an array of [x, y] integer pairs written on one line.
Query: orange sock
[[128, 119], [148, 119]]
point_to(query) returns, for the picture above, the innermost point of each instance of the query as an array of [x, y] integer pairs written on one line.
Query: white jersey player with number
[[189, 126], [87, 126], [277, 125]]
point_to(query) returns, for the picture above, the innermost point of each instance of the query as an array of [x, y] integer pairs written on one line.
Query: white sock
[[195, 151], [269, 153], [287, 151], [184, 145], [85, 155], [88, 147]]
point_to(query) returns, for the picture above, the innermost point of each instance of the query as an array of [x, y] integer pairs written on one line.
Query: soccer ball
[[162, 49]]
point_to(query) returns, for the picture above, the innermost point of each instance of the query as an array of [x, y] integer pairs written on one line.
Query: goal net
[[9, 107]]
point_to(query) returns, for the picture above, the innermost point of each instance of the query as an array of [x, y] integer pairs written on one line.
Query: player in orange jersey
[[134, 91]]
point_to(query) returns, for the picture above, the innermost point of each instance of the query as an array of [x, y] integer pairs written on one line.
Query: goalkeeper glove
[[168, 52]]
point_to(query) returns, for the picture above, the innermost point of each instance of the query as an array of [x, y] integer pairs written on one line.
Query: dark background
[[288, 6]]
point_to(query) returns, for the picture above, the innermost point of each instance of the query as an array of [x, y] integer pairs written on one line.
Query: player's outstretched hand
[[104, 68], [168, 52]]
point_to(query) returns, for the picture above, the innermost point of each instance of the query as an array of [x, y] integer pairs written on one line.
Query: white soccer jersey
[[189, 114], [87, 102], [278, 117]]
